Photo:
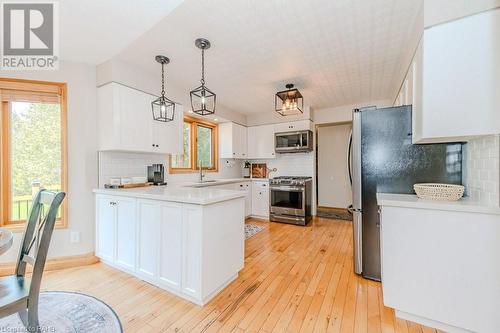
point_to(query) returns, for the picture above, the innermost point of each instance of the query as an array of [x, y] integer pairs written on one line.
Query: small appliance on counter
[[156, 174]]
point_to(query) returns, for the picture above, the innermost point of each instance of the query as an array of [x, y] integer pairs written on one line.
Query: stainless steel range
[[290, 199]]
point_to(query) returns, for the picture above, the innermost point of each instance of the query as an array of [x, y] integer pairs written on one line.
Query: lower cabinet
[[172, 245], [260, 199]]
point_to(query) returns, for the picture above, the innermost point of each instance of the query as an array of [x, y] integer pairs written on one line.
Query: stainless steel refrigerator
[[385, 160]]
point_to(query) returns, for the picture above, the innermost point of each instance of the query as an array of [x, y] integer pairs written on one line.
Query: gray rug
[[252, 229], [65, 312]]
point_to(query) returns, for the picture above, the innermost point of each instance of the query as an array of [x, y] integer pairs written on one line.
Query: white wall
[[118, 71], [82, 157], [272, 117], [334, 188], [482, 170], [122, 164], [343, 113]]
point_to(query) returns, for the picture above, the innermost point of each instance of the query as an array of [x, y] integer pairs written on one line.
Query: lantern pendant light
[[163, 108], [289, 102], [203, 100]]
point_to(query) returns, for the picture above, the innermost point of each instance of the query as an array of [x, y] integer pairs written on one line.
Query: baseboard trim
[[55, 263]]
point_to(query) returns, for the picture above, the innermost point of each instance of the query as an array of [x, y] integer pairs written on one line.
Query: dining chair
[[18, 293]]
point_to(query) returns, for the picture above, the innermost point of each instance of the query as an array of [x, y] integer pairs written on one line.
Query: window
[[32, 146], [200, 147]]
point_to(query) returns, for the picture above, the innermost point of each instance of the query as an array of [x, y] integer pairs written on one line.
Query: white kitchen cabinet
[[261, 142], [115, 227], [170, 245], [232, 141], [125, 122], [260, 199], [148, 225], [186, 249], [247, 188], [435, 254], [456, 75], [300, 125], [125, 255], [105, 227]]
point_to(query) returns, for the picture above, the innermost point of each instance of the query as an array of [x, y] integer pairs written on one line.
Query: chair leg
[[23, 315], [33, 324]]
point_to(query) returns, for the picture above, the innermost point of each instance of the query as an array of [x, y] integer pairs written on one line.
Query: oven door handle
[[287, 188]]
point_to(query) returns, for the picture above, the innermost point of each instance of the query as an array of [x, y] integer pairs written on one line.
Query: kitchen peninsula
[[188, 241]]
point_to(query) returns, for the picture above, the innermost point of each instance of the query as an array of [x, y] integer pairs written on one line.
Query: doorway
[[334, 188]]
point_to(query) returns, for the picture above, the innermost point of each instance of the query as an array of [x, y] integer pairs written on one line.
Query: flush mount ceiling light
[[289, 102], [202, 99], [163, 108]]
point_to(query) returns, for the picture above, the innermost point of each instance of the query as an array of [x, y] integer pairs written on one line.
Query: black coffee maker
[[156, 174]]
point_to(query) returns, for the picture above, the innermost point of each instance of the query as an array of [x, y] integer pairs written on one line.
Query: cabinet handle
[[153, 145], [157, 146]]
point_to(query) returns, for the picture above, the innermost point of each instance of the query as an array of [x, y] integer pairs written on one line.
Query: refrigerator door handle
[[356, 159]]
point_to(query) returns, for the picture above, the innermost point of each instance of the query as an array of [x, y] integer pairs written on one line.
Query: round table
[[6, 239]]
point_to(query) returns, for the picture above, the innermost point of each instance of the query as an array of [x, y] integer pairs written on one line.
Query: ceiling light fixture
[[163, 108], [203, 100], [289, 102]]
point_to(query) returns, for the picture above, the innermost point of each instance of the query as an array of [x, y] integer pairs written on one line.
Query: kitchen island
[[440, 262], [188, 241]]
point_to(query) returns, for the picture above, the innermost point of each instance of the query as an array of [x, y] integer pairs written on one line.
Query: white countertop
[[215, 182], [412, 201], [192, 195]]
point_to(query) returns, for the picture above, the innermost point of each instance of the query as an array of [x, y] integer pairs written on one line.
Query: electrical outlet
[[75, 237]]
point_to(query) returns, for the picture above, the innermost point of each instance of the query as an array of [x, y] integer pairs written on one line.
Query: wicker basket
[[441, 192]]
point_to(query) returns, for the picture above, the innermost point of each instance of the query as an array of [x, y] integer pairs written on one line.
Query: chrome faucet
[[201, 173]]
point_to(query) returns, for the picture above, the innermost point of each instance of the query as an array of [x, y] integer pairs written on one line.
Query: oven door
[[287, 200]]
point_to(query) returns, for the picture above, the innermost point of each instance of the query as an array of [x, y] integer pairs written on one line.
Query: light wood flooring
[[296, 279]]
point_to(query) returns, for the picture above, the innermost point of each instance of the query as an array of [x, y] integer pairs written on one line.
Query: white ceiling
[[93, 31], [337, 52]]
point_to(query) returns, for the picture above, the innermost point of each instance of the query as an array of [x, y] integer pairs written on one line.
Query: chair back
[[36, 239]]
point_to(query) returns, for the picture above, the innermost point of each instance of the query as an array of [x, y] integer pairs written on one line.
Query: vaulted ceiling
[[337, 52]]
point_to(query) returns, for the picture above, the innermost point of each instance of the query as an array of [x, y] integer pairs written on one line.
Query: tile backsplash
[[122, 164], [482, 170]]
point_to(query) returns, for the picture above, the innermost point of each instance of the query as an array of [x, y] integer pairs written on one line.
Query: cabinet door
[[241, 140], [170, 270], [167, 136], [125, 233], [261, 142], [147, 239], [105, 227], [260, 199], [134, 115], [247, 188], [191, 250], [301, 125], [226, 142]]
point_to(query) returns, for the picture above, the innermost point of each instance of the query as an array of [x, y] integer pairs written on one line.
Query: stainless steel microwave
[[293, 142]]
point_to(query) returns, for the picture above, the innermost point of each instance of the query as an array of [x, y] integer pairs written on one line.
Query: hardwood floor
[[296, 279]]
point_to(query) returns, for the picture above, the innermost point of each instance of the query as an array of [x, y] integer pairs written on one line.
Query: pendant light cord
[[162, 81], [202, 67]]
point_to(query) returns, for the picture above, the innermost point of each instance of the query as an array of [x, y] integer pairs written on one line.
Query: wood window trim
[[31, 85], [194, 122]]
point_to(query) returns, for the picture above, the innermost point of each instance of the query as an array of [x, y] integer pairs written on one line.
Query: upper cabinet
[[453, 80], [126, 123], [261, 142], [300, 125], [232, 141]]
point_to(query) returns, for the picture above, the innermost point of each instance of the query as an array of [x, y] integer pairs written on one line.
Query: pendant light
[[203, 100], [163, 108], [289, 102]]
